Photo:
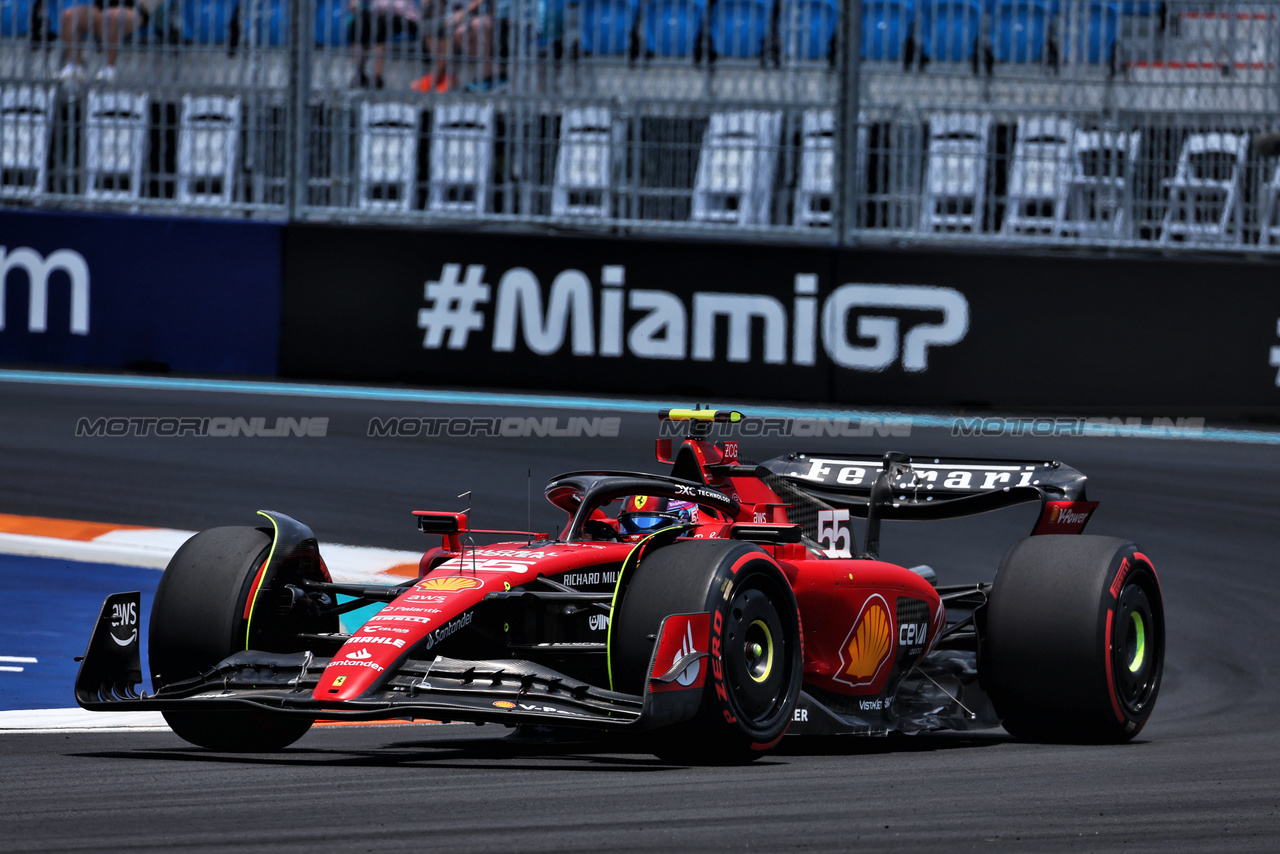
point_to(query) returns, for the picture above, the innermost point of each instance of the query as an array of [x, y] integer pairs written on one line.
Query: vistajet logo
[[858, 325], [38, 269]]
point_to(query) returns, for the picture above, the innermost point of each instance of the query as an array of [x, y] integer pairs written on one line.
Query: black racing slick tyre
[[755, 663], [1073, 646], [198, 619]]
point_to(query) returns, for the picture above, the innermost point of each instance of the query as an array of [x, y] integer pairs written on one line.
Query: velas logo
[[452, 583], [867, 647], [687, 648], [684, 636]]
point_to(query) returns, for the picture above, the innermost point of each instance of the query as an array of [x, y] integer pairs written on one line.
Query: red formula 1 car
[[725, 605]]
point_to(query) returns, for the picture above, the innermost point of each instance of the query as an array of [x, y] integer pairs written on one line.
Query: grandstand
[[1037, 122]]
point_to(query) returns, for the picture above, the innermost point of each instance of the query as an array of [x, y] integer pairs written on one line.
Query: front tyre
[[198, 619], [1073, 649], [755, 662]]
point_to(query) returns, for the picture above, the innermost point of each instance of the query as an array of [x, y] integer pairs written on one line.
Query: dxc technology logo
[[671, 329], [38, 270]]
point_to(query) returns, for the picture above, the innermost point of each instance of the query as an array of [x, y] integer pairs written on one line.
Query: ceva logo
[[38, 270]]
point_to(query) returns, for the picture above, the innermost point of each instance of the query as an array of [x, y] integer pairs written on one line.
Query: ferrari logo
[[337, 683], [639, 501]]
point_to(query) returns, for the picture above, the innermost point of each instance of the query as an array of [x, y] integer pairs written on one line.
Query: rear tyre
[[1073, 648], [755, 668], [198, 620]]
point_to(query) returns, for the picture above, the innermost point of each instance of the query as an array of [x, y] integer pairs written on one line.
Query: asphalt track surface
[[1204, 774]]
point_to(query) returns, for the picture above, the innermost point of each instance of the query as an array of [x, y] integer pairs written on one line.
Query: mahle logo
[[38, 269]]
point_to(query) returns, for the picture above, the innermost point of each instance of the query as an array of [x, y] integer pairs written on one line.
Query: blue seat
[[739, 27], [951, 29], [207, 21], [15, 18], [331, 23], [606, 25], [885, 25], [1138, 7], [671, 27], [270, 27], [1019, 31], [991, 7], [1098, 36], [550, 24], [806, 27]]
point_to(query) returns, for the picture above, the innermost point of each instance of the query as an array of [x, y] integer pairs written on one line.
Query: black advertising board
[[759, 321], [516, 311], [1062, 331]]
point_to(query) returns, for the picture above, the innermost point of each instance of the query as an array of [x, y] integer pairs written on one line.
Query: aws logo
[[868, 645], [452, 583]]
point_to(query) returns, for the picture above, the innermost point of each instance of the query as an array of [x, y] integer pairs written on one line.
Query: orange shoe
[[446, 83], [424, 83]]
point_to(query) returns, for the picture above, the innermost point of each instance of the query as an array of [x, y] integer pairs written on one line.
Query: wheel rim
[[759, 651], [1135, 649], [755, 653]]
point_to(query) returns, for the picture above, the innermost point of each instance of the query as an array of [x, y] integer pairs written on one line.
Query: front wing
[[507, 691]]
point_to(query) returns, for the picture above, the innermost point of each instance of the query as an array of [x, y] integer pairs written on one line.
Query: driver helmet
[[643, 514]]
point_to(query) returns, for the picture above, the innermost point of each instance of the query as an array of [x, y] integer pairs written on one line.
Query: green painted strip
[[270, 555]]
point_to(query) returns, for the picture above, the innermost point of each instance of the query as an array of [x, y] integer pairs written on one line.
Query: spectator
[[110, 22], [455, 33], [493, 36], [374, 24]]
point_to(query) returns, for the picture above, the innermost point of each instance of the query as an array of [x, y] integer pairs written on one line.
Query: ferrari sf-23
[[709, 612]]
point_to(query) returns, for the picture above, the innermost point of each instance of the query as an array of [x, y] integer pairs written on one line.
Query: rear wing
[[904, 487], [927, 487]]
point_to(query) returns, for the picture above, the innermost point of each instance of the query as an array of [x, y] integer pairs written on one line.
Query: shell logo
[[503, 704], [868, 645], [452, 583]]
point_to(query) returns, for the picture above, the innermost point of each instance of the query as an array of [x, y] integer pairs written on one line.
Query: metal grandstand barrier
[[498, 140], [115, 144], [25, 123]]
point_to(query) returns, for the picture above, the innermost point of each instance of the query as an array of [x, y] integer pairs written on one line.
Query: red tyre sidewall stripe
[[1151, 566], [253, 591], [772, 744], [1111, 677]]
